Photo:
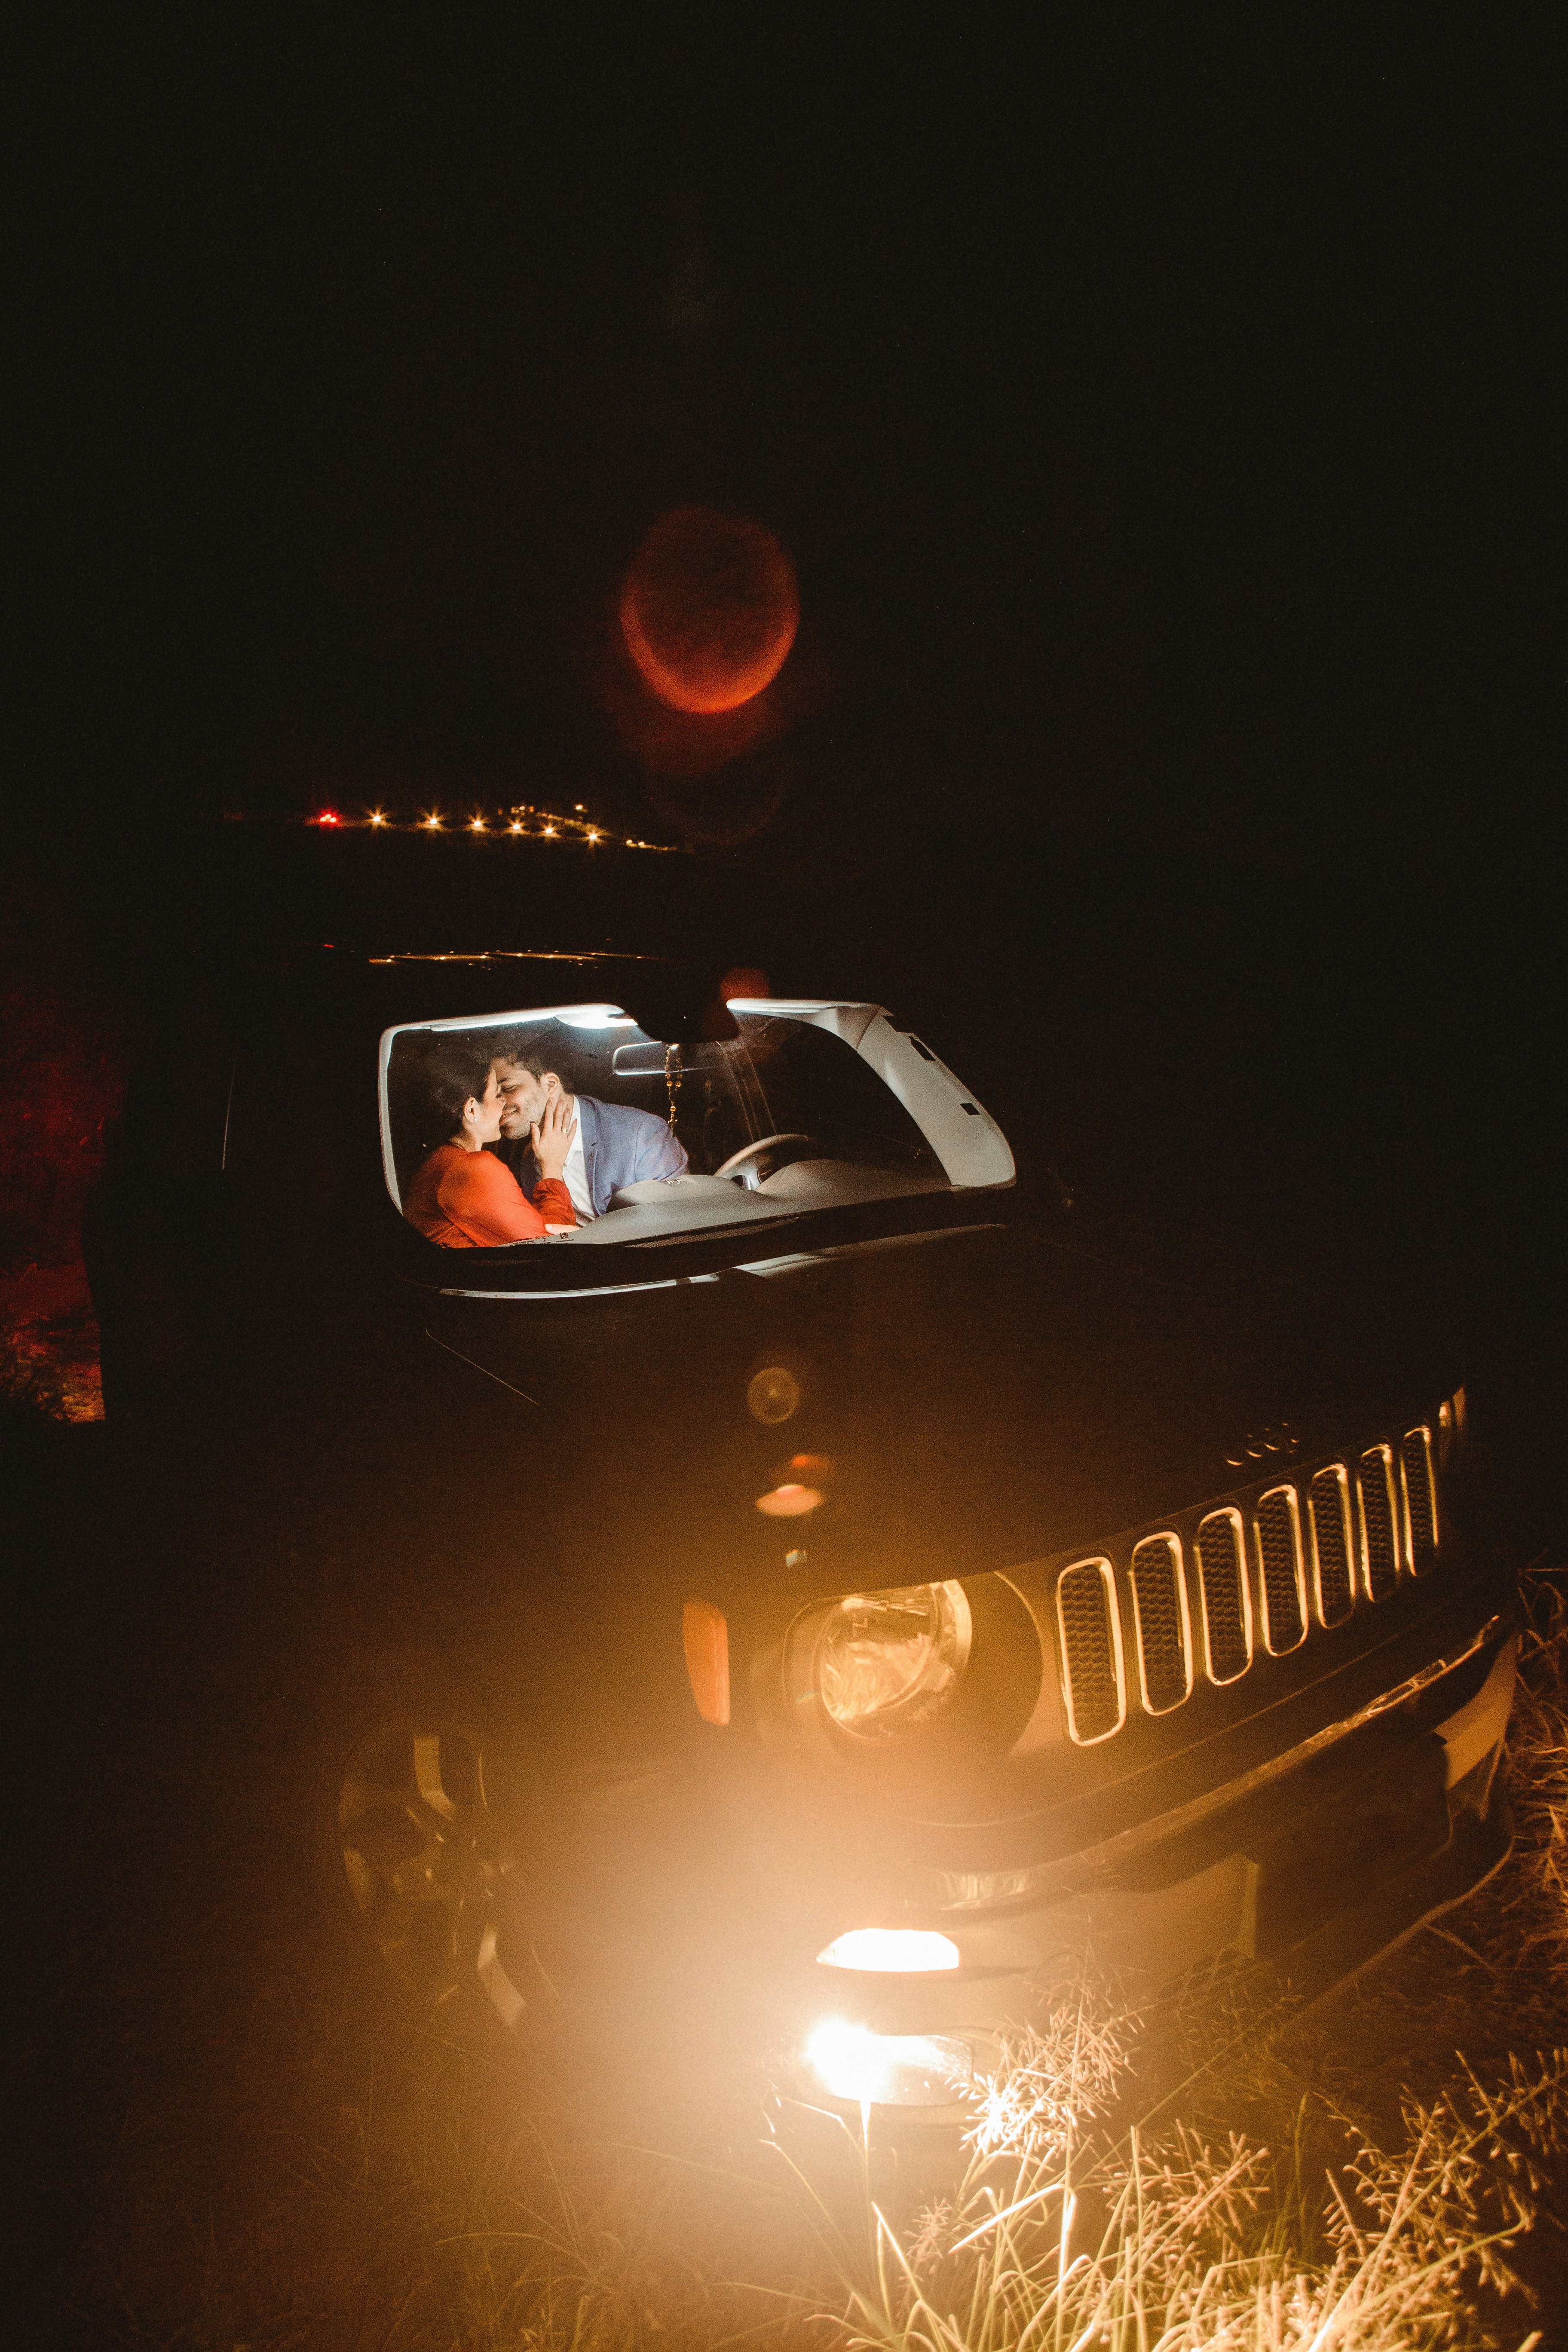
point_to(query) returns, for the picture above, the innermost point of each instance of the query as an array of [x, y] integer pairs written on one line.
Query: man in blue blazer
[[611, 1144]]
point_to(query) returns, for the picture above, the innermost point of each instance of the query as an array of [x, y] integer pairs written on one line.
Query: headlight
[[887, 1663]]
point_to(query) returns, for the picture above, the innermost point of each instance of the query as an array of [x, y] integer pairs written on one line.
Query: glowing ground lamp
[[709, 609], [905, 2070]]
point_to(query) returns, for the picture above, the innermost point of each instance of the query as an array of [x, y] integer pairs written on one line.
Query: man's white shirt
[[576, 1174]]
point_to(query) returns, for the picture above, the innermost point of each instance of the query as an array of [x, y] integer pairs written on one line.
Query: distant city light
[[521, 822]]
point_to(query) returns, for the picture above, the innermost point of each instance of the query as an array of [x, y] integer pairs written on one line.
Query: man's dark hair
[[534, 1063]]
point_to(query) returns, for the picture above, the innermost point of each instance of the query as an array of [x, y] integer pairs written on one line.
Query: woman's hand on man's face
[[551, 1135]]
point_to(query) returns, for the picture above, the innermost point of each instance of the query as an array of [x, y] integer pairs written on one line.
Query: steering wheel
[[742, 1164]]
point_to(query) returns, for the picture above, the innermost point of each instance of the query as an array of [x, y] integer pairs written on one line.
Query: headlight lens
[[888, 1662]]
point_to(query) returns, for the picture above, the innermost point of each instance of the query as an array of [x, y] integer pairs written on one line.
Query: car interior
[[781, 1117]]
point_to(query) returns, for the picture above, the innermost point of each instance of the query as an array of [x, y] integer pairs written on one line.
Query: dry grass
[[1526, 1913], [1066, 2231]]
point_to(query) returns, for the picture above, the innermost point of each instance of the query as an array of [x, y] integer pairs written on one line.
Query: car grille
[[1164, 1632], [1331, 1517], [1092, 1646], [1420, 1497], [1374, 1482], [1228, 1619], [1281, 1583], [1200, 1597]]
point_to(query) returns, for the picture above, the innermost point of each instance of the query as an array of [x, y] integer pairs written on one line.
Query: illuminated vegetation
[[1219, 2172]]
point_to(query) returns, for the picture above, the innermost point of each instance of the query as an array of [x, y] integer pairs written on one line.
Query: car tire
[[414, 1859]]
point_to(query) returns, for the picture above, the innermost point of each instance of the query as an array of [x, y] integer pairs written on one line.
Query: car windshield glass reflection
[[784, 1114]]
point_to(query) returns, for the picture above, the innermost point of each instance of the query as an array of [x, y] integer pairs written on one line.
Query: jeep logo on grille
[[1278, 1440]]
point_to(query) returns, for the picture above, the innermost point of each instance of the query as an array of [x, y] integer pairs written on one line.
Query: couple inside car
[[524, 1159]]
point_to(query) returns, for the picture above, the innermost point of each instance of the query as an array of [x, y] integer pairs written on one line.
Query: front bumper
[[1348, 1851]]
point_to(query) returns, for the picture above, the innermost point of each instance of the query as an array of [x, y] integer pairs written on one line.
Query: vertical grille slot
[[1165, 1631], [1094, 1683], [1278, 1529], [1420, 1495], [1227, 1612], [1379, 1548], [1331, 1512]]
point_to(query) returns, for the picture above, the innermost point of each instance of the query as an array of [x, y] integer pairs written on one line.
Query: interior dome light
[[889, 1951], [596, 1016]]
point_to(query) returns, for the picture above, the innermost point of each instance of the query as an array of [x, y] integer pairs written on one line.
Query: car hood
[[966, 1399]]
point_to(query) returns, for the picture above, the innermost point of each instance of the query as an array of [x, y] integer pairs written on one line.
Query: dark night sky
[[1147, 403], [1158, 409]]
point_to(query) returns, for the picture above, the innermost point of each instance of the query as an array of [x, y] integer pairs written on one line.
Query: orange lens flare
[[709, 609], [705, 1636]]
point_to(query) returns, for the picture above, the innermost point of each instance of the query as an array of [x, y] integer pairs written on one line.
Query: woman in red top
[[464, 1197]]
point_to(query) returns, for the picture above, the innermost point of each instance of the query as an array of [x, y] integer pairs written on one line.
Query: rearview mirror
[[643, 1061], [669, 1003]]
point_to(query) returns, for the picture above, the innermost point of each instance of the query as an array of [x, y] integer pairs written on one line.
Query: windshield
[[792, 1113]]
